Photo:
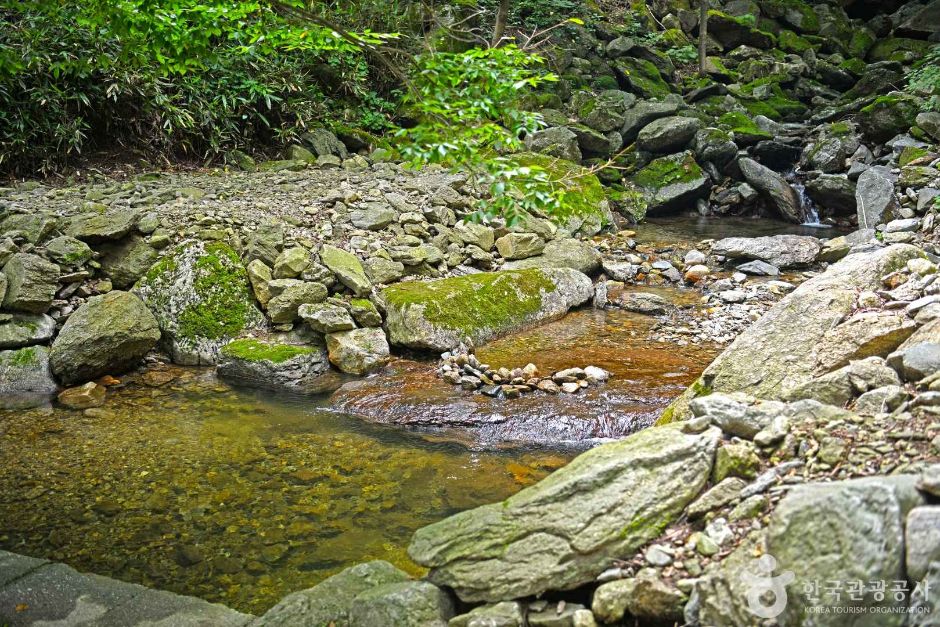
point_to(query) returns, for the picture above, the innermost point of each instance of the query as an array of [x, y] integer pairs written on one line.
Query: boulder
[[922, 534], [929, 121], [840, 386], [520, 245], [329, 602], [476, 234], [347, 268], [95, 228], [323, 142], [359, 351], [778, 353], [562, 253], [265, 242], [774, 188], [403, 604], [284, 306], [438, 315], [843, 531], [781, 251], [672, 183], [291, 263], [25, 330], [556, 141], [68, 251], [108, 334], [124, 262], [373, 216], [643, 113], [563, 531], [505, 614], [25, 377], [33, 227], [916, 362], [201, 298], [365, 313], [874, 198], [381, 271], [605, 111], [31, 283], [644, 303], [668, 135], [326, 317], [268, 363], [834, 192], [865, 334]]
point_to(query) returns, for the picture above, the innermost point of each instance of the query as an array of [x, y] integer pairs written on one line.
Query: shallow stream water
[[241, 497]]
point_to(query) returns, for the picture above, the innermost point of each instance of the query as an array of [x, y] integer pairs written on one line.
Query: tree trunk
[[499, 29], [702, 35]]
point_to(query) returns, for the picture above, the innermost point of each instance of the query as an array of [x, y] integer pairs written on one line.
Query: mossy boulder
[[269, 363], [31, 283], [438, 315], [108, 334], [25, 377], [794, 13], [898, 49], [746, 132], [672, 183], [642, 78], [201, 298], [888, 116], [565, 530], [731, 31]]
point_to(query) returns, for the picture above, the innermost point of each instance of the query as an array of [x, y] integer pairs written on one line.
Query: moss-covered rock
[[888, 116], [438, 315], [672, 183], [269, 363], [898, 49], [642, 78], [25, 377], [201, 298], [795, 13], [746, 132]]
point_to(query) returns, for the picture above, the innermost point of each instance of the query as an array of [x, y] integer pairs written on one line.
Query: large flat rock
[[784, 349], [438, 315], [563, 531]]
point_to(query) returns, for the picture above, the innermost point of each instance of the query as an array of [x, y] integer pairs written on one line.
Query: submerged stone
[[438, 315], [562, 532]]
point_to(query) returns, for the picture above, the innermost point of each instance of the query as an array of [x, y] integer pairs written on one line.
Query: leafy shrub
[[182, 77], [684, 55], [924, 79]]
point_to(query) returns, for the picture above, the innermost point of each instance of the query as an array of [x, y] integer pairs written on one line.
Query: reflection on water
[[237, 497]]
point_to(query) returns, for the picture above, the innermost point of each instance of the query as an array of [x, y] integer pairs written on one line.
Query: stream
[[182, 482]]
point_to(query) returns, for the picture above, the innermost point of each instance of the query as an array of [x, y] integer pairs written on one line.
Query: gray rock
[[782, 251], [108, 334], [835, 192], [347, 268], [323, 142], [26, 330], [929, 121], [562, 532], [265, 242], [365, 313], [773, 187], [562, 253], [329, 601], [717, 496], [875, 198], [925, 603], [359, 351], [668, 135], [556, 141], [840, 386], [671, 183], [644, 303], [866, 543], [759, 268], [404, 604], [201, 298], [520, 245], [476, 234], [383, 271], [33, 227], [126, 261], [326, 318], [916, 362], [922, 537], [623, 271], [97, 228], [642, 113], [439, 315], [291, 263], [68, 251], [605, 112], [284, 307], [266, 363], [373, 217], [31, 283], [25, 377], [505, 614], [561, 615], [736, 414]]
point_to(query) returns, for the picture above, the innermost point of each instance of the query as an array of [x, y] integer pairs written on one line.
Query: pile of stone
[[463, 368]]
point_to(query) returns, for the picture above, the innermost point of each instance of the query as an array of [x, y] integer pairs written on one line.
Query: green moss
[[911, 153], [667, 171], [740, 124], [24, 357], [840, 129], [256, 350], [778, 106], [644, 78], [605, 82], [898, 49], [860, 43], [164, 267], [791, 42], [468, 304], [222, 285], [808, 20]]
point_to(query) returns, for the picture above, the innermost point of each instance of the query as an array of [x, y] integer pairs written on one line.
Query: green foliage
[[747, 20], [684, 55], [470, 114], [924, 79], [192, 77]]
